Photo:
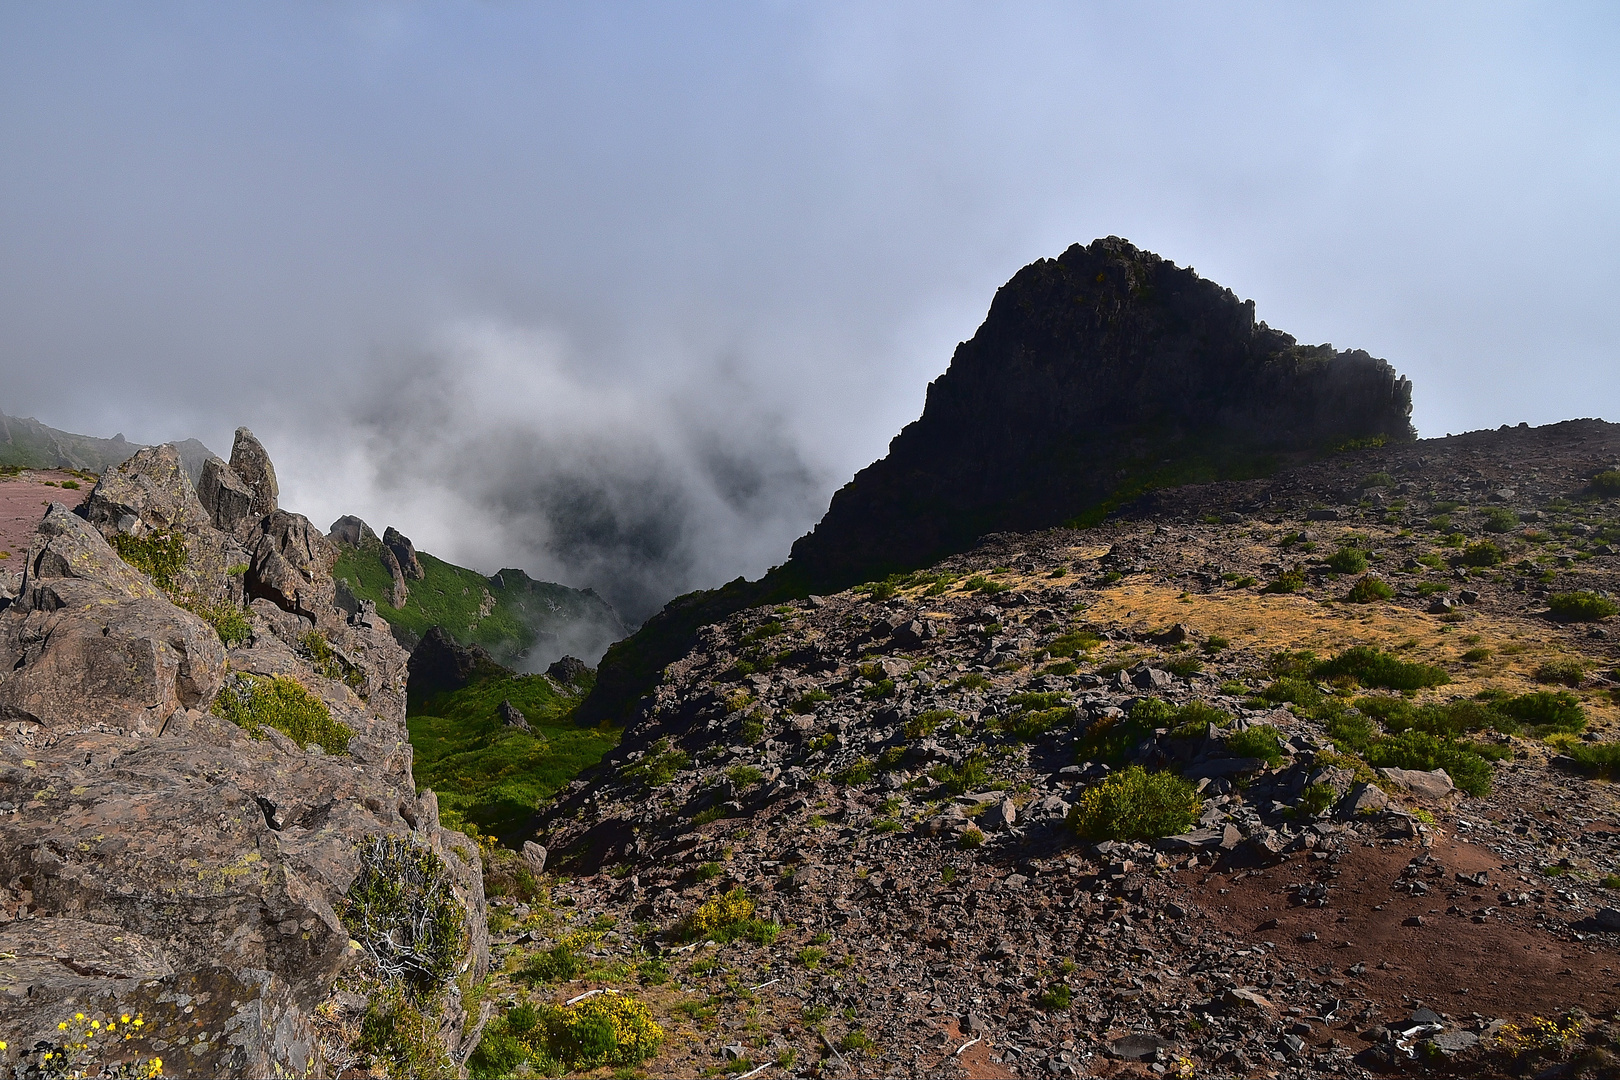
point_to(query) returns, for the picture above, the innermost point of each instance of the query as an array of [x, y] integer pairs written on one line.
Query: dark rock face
[[1098, 375], [1094, 371], [404, 551], [440, 663], [226, 498], [567, 670]]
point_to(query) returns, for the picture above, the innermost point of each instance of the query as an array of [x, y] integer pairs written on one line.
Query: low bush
[[554, 965], [1316, 798], [727, 917], [1606, 484], [1481, 553], [403, 911], [1581, 607], [160, 556], [229, 621], [401, 1034], [1348, 560], [1500, 520], [1290, 581], [1374, 667], [970, 837], [1370, 590], [253, 703], [1565, 670], [1072, 644], [659, 765], [1135, 805], [1260, 741], [807, 702], [926, 722], [972, 774], [1414, 749], [1034, 714], [1600, 759]]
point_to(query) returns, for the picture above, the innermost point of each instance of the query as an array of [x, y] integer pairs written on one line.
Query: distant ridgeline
[[1096, 377], [27, 442], [523, 624]]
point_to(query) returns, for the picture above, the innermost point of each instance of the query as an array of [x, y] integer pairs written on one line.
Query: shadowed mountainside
[[1097, 376], [30, 444]]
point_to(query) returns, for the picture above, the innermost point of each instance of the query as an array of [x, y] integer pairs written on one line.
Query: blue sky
[[622, 293]]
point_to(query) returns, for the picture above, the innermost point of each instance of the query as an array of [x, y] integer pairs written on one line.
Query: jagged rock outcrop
[[440, 663], [226, 498], [250, 462], [400, 546], [1104, 369], [1096, 376], [156, 857], [567, 670], [352, 531]]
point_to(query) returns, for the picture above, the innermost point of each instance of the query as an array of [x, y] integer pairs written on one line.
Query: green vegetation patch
[[403, 911], [1370, 590], [1136, 805], [1581, 607], [253, 703], [606, 1030], [1368, 666], [493, 776], [160, 556], [727, 917]]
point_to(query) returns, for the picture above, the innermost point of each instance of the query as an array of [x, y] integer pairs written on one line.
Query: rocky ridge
[[892, 776], [158, 858]]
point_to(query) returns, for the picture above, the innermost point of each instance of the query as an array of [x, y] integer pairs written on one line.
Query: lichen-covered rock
[[149, 493], [252, 466], [292, 566], [227, 499], [154, 856]]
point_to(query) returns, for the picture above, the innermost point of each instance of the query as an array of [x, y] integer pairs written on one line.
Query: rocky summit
[[1303, 776], [1096, 376], [208, 822]]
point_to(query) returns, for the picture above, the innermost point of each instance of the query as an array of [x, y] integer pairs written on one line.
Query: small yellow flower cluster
[[73, 1056], [719, 912], [636, 1035], [1543, 1035]]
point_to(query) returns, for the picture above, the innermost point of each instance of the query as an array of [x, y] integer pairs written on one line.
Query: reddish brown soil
[[22, 503], [1504, 967]]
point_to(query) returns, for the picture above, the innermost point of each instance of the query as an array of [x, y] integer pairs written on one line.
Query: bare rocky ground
[[23, 499], [834, 759]]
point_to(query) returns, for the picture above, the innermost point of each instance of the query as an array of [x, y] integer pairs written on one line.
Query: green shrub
[[1581, 607], [1062, 667], [607, 1029], [1348, 560], [924, 723], [970, 837], [160, 556], [659, 765], [1259, 741], [1565, 670], [728, 917], [1500, 520], [1195, 718], [971, 775], [1378, 479], [1414, 749], [1481, 553], [403, 911], [982, 584], [1056, 997], [1135, 805], [1184, 666], [254, 703], [879, 690], [1290, 581], [808, 701], [752, 729], [1215, 643], [1546, 711], [1370, 590], [230, 622], [1476, 656], [1350, 730], [971, 681], [1600, 759], [1316, 798], [557, 964], [1606, 483], [1374, 667], [395, 1030], [1072, 644], [744, 776], [1034, 714]]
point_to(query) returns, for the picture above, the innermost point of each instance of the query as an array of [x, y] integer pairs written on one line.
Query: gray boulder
[[405, 552], [149, 493], [252, 466], [292, 567], [227, 499]]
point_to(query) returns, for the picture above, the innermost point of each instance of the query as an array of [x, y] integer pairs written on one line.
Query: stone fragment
[[227, 499], [1608, 918], [1430, 785], [1363, 799], [512, 716], [1247, 997], [350, 530], [404, 553], [148, 494], [567, 671]]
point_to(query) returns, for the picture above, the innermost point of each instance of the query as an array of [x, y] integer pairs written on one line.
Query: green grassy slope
[[491, 775], [506, 614]]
